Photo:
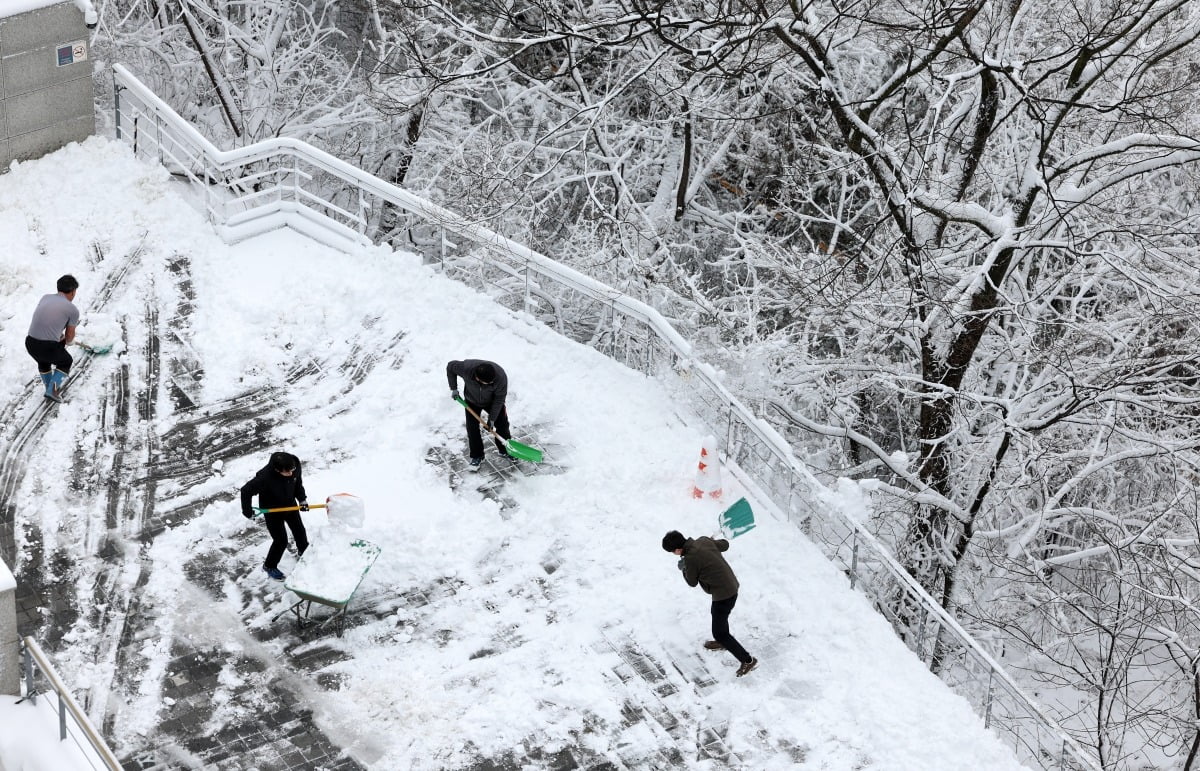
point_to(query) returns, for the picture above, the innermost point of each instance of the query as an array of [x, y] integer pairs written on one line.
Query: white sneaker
[[475, 463]]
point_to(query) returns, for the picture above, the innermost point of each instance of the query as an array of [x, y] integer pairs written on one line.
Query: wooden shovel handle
[[482, 422]]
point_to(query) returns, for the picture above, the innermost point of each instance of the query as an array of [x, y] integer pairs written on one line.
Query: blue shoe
[[57, 379], [274, 573]]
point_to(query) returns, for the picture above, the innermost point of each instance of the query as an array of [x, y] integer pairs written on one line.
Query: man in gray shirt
[[52, 328]]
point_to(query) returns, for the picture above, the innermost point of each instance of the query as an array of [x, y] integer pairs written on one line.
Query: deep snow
[[531, 595]]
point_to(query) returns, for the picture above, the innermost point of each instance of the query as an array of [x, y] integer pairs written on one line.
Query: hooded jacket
[[273, 489], [704, 565], [490, 397]]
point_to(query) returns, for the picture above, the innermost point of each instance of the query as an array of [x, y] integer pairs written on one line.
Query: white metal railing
[[285, 181], [72, 721]]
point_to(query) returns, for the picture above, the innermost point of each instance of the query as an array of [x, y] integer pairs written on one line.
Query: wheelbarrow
[[328, 575]]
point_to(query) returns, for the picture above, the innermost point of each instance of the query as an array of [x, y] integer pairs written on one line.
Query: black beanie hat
[[673, 540], [485, 373]]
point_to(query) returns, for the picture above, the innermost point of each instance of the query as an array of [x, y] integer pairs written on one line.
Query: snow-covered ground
[[539, 611]]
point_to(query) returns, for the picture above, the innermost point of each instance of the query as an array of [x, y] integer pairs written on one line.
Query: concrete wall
[[45, 82], [10, 654]]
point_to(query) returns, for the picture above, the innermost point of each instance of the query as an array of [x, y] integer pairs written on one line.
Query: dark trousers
[[47, 353], [475, 438], [275, 524], [720, 628]]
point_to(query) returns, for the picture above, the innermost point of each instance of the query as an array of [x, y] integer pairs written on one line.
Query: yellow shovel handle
[[291, 508]]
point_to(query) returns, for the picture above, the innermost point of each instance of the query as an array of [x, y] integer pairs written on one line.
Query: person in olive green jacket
[[701, 563]]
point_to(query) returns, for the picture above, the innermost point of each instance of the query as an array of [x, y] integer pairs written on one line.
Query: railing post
[[729, 425], [30, 691], [528, 296], [922, 618], [614, 323], [116, 105], [854, 562], [62, 718], [208, 184], [987, 706]]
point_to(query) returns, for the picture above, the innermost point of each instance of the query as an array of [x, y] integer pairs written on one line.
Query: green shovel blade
[[523, 451], [96, 349], [513, 448], [738, 518]]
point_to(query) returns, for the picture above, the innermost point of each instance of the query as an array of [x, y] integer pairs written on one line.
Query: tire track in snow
[[196, 437], [27, 417], [138, 465]]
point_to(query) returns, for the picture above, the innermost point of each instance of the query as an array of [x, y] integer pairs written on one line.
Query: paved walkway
[[140, 482], [133, 483]]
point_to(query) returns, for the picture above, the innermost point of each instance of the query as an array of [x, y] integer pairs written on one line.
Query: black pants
[[47, 353], [475, 439], [720, 628], [275, 523]]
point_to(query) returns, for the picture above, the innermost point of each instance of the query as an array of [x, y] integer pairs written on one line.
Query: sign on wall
[[70, 53]]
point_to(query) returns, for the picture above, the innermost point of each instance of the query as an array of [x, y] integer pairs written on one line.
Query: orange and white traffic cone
[[708, 472]]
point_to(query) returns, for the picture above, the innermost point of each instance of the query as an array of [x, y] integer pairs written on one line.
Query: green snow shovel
[[738, 519], [95, 350], [515, 449]]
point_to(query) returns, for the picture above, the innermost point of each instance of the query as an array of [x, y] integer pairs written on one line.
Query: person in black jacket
[[701, 563], [278, 485], [485, 387]]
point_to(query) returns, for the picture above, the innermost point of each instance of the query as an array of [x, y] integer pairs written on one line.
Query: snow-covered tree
[[247, 69], [957, 237]]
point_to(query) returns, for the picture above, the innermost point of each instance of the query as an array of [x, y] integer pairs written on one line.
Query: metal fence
[[287, 182], [41, 681]]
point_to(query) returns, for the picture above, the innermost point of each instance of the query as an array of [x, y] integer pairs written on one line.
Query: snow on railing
[[72, 721], [280, 182]]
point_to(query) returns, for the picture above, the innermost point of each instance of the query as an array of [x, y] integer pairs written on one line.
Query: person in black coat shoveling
[[701, 563], [50, 332], [279, 485], [485, 386]]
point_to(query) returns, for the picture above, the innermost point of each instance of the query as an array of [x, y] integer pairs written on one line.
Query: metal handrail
[[623, 328], [35, 661]]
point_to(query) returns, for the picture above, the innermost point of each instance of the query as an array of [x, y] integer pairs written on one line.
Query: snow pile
[[332, 569], [346, 510], [101, 332]]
